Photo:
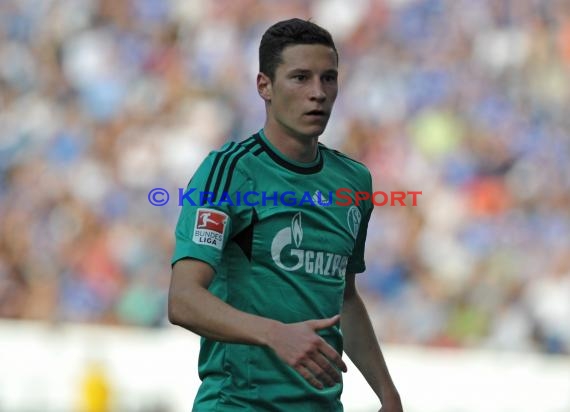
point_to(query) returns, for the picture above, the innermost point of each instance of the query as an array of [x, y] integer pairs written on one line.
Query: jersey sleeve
[[356, 263], [211, 212]]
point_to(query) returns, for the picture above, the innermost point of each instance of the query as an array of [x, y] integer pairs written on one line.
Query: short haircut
[[288, 33]]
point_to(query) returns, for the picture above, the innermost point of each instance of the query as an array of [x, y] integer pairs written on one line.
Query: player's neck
[[297, 148]]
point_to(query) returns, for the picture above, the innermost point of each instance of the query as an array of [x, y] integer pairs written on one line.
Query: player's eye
[[329, 78], [300, 77]]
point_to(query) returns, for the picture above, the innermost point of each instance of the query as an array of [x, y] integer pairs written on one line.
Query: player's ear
[[264, 86]]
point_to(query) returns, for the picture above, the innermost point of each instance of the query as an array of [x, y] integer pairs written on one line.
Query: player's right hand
[[302, 348]]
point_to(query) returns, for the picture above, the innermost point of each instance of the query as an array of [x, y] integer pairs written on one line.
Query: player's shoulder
[[238, 148], [342, 160], [234, 155], [228, 167]]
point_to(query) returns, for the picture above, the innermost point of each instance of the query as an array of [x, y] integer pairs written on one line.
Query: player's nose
[[317, 91]]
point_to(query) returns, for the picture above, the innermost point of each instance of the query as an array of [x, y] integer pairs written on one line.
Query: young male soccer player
[[263, 273]]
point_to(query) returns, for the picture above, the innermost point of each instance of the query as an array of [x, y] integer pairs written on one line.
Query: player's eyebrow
[[299, 71], [333, 72]]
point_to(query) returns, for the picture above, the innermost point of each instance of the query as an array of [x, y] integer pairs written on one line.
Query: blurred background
[[465, 100]]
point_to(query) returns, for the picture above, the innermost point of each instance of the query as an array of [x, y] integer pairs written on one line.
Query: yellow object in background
[[95, 389]]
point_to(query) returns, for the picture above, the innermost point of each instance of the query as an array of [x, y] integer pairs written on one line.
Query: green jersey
[[280, 246]]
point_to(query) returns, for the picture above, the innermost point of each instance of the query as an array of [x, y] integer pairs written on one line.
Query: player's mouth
[[317, 114]]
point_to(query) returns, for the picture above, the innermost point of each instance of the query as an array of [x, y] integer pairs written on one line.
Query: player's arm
[[192, 306], [362, 347]]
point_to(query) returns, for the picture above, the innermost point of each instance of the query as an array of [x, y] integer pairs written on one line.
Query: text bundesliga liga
[[340, 197]]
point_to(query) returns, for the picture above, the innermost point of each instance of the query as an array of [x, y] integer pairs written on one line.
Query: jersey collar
[[298, 167]]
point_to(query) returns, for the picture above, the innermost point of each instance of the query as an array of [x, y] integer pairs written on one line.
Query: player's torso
[[287, 261], [301, 241]]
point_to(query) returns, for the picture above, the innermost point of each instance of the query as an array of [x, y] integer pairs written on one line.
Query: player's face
[[303, 91]]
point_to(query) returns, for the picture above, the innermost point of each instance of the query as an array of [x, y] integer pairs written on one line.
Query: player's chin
[[315, 129]]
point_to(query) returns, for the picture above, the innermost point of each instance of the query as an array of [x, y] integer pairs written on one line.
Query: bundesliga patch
[[210, 227]]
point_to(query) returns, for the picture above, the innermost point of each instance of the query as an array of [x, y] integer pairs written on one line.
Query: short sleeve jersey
[[280, 235]]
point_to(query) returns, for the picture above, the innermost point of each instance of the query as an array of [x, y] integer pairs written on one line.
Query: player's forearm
[[361, 345], [206, 315]]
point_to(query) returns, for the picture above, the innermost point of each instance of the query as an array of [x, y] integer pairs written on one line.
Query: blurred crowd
[[464, 100]]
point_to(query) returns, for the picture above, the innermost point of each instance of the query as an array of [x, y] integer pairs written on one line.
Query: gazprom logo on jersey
[[288, 254]]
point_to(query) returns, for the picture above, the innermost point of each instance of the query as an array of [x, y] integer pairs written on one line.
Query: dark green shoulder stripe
[[221, 172], [214, 169], [224, 172], [247, 141], [249, 147]]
